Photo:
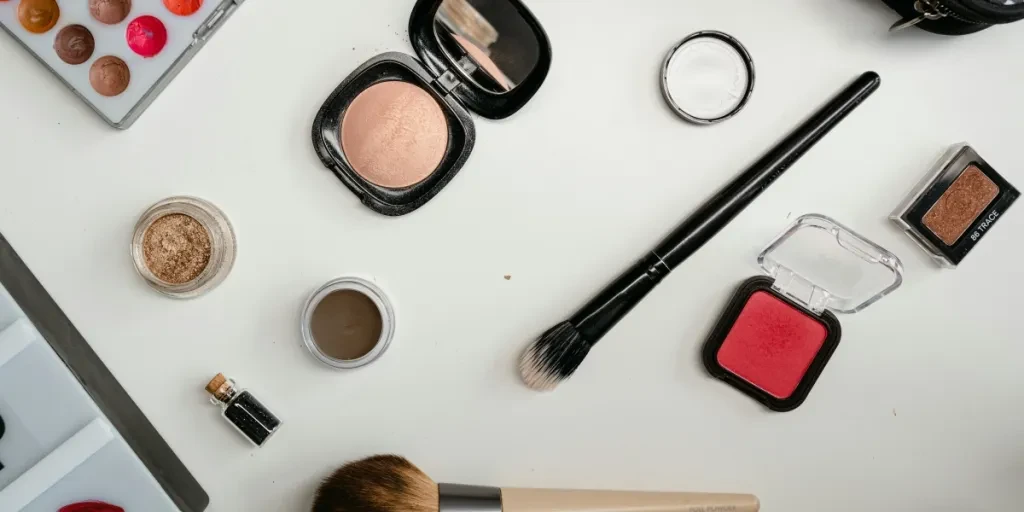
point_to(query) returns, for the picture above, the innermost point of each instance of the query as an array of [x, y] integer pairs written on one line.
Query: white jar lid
[[707, 77]]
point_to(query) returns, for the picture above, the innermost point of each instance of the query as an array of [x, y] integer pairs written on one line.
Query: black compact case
[[955, 17], [488, 56]]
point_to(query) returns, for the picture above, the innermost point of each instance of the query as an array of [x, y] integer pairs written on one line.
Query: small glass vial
[[243, 410]]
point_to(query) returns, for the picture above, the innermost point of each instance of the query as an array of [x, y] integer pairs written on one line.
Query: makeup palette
[[398, 129], [71, 439], [780, 330], [955, 206], [116, 55]]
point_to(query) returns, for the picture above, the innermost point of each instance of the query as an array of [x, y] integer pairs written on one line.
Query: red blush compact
[[772, 344], [770, 347], [779, 331]]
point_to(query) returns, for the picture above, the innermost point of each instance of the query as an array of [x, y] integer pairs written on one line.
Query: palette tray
[[148, 75], [70, 433]]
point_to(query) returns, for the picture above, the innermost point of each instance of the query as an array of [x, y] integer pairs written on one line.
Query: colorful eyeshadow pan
[[955, 206], [74, 44], [38, 16], [116, 55], [780, 330], [183, 7], [110, 12], [110, 76], [772, 344], [146, 36]]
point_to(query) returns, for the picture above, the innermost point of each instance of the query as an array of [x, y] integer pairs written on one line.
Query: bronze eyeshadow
[[955, 206]]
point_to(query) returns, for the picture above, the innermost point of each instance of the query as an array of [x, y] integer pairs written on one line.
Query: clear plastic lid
[[825, 265]]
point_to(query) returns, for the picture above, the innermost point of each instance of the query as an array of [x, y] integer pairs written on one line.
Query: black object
[[955, 17], [605, 310], [101, 385], [456, 91], [721, 331], [251, 418], [487, 103], [3, 428]]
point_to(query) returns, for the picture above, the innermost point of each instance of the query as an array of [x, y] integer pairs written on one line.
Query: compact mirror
[[490, 41]]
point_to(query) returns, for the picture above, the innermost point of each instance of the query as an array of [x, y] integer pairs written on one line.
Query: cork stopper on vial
[[221, 388]]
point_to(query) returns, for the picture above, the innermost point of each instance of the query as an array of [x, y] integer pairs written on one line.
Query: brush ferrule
[[468, 498]]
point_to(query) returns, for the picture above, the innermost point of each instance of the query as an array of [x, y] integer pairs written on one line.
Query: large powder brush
[[388, 483]]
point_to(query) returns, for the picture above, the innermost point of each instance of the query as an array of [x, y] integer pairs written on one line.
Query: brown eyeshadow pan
[[110, 12], [109, 76], [74, 44], [961, 205]]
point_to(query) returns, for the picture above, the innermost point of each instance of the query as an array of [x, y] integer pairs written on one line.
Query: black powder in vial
[[251, 418], [243, 410]]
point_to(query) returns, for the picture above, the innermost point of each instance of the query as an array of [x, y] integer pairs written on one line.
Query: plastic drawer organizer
[[69, 433]]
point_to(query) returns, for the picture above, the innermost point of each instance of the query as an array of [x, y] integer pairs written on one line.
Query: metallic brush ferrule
[[468, 498]]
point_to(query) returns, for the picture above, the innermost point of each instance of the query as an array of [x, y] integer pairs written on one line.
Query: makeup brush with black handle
[[388, 483], [556, 355]]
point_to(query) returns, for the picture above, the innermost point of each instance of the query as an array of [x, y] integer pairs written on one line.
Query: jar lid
[[707, 77]]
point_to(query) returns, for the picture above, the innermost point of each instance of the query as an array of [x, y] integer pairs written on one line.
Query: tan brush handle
[[552, 500]]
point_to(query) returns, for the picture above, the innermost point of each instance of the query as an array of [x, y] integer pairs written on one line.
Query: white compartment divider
[[55, 466], [15, 338]]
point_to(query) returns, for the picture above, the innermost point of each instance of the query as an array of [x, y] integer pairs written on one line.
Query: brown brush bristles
[[382, 483]]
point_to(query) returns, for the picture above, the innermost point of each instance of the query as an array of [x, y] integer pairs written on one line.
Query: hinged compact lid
[[493, 55], [825, 265]]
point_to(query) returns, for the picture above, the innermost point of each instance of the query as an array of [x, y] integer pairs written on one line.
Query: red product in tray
[[91, 506]]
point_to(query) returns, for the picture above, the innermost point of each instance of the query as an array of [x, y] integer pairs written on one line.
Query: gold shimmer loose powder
[[176, 248]]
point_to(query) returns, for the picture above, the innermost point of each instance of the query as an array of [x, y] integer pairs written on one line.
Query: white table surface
[[919, 410]]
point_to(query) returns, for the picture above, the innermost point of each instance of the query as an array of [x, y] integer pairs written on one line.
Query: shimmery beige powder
[[176, 248], [960, 205], [394, 134]]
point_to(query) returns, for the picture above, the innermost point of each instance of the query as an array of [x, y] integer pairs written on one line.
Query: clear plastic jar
[[370, 291], [222, 246]]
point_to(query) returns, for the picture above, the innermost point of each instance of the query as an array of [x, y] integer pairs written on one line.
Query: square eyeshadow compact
[[780, 330], [398, 129], [116, 55], [955, 205]]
